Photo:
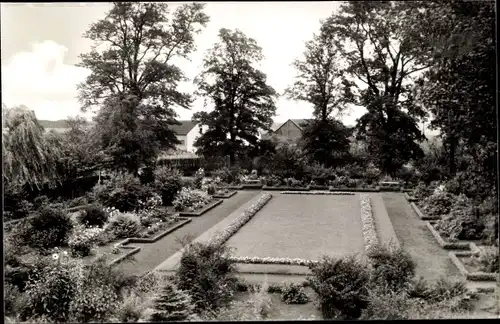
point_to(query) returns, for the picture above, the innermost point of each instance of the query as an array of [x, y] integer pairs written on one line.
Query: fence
[[189, 165]]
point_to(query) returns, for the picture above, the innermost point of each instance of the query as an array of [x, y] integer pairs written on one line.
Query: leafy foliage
[[438, 204], [294, 294], [124, 225], [341, 286], [392, 267], [93, 215], [243, 101], [207, 274], [167, 183], [133, 78], [190, 199], [49, 228]]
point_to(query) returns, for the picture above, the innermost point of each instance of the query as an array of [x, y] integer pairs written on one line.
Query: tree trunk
[[451, 157]]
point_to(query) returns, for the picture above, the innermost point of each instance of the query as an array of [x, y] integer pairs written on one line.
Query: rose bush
[[191, 199]]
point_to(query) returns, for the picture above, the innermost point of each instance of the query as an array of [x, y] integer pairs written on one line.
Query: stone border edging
[[224, 195], [319, 193], [183, 221], [447, 245], [368, 223], [203, 210], [409, 198], [472, 276], [133, 250], [376, 189], [251, 186], [421, 215]]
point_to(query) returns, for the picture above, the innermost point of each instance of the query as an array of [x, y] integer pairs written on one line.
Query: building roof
[[301, 122], [53, 124], [184, 128]]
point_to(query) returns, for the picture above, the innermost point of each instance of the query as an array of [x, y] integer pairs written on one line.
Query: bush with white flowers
[[222, 236], [368, 223], [190, 199], [268, 260], [83, 239]]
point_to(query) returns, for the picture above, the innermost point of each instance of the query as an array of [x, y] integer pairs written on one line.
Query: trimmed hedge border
[[225, 195], [202, 210], [331, 193], [447, 245], [368, 224], [376, 189], [268, 260], [472, 276], [251, 186], [409, 198], [222, 236], [318, 187], [421, 215], [285, 188]]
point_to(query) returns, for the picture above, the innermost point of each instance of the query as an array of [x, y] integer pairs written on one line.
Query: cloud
[[40, 80]]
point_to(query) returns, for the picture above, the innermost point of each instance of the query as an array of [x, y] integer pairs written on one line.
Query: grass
[[304, 227], [432, 261]]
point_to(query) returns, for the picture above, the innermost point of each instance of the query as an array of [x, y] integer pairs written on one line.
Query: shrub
[[51, 288], [12, 297], [124, 225], [487, 260], [386, 304], [124, 191], [51, 228], [92, 303], [422, 191], [341, 286], [78, 201], [93, 215], [198, 178], [445, 289], [319, 174], [228, 175], [294, 294], [167, 183], [171, 304], [462, 222], [131, 310], [82, 240], [438, 204], [208, 275], [211, 190], [190, 199], [393, 267]]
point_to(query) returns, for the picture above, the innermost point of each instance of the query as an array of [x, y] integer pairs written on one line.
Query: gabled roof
[[301, 122], [184, 128]]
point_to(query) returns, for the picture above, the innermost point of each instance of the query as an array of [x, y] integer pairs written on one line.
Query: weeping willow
[[29, 155]]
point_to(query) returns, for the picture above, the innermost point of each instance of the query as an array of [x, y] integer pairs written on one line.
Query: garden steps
[[172, 261], [153, 254]]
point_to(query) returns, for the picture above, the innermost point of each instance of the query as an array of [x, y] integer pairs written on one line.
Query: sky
[[39, 59]]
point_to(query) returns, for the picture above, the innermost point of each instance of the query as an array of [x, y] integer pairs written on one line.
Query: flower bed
[[357, 189], [224, 195], [467, 270], [267, 260], [130, 250], [335, 193], [282, 188], [421, 215], [368, 223], [169, 228], [202, 210], [444, 244], [222, 236]]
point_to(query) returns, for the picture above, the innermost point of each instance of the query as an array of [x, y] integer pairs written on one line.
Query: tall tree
[[382, 55], [28, 157], [243, 101], [459, 90], [320, 82], [133, 77]]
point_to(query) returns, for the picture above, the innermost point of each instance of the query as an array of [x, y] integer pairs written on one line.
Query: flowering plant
[[222, 236], [152, 202], [317, 193], [368, 223], [268, 260], [83, 239], [190, 199]]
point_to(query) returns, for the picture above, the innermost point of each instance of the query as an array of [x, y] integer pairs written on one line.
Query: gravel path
[[302, 226], [152, 254], [432, 261]]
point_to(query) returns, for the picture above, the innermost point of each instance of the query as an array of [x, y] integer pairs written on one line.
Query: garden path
[[432, 261], [152, 254]]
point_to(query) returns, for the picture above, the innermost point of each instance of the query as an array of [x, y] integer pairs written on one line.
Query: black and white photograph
[[249, 161]]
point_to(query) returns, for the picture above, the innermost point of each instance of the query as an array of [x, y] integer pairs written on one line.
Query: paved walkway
[[152, 254], [432, 261]]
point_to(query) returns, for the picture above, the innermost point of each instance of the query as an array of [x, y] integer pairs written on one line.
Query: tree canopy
[[134, 79], [243, 102]]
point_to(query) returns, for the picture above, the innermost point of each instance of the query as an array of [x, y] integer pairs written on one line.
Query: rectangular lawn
[[302, 226]]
